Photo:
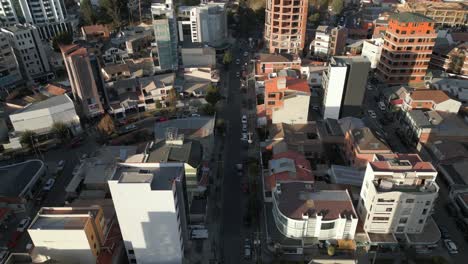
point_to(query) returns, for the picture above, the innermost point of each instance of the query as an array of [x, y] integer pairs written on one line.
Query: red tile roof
[[393, 162], [437, 96], [55, 89], [292, 84], [303, 170]]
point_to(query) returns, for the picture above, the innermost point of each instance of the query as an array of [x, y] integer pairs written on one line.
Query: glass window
[[327, 226], [403, 220]]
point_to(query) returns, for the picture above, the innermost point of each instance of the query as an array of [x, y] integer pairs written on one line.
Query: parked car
[[48, 185], [245, 137], [237, 74], [60, 165], [246, 54], [244, 128], [247, 249], [372, 113], [382, 106], [23, 224], [3, 254], [161, 119], [369, 87], [451, 247], [244, 119], [83, 157], [444, 232], [237, 61], [195, 115]]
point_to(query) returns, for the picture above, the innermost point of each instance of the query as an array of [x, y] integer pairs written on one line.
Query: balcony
[[388, 186]]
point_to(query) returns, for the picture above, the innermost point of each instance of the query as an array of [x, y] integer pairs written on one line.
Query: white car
[[195, 115], [23, 224], [369, 87], [246, 54], [372, 113], [451, 247], [244, 119], [48, 185], [237, 74], [237, 61], [60, 165], [382, 106], [245, 137], [244, 127], [247, 249]]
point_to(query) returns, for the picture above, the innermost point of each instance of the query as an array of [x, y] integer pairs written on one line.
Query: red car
[[161, 119]]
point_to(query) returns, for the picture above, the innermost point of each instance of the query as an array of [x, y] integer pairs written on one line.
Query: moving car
[[247, 249], [372, 113], [49, 184], [244, 119], [237, 61], [451, 247], [237, 74], [244, 127], [245, 137], [23, 224]]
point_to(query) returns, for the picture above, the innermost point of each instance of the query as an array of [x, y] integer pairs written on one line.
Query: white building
[[28, 48], [206, 23], [322, 40], [40, 117], [9, 67], [8, 15], [67, 234], [344, 86], [301, 210], [314, 75], [149, 201], [165, 46], [398, 193], [371, 50]]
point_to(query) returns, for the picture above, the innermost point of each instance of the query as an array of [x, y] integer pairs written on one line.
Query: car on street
[[369, 87], [382, 106], [60, 165], [244, 119], [244, 127], [237, 74], [23, 224], [237, 61], [48, 185], [372, 113], [161, 119], [444, 232], [195, 115], [3, 254], [247, 249], [246, 54], [451, 247], [245, 137], [129, 128], [83, 157]]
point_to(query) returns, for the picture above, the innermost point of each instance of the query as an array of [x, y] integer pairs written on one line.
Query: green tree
[[158, 104], [87, 12], [63, 38], [337, 6], [314, 18], [331, 250], [227, 58], [106, 125], [208, 109], [212, 94], [61, 130], [323, 4], [113, 8], [27, 138]]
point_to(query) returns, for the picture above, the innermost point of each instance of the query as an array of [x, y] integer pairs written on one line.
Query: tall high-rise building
[[397, 195], [10, 73], [285, 25], [408, 43], [344, 85], [165, 52], [85, 78], [329, 41], [7, 13]]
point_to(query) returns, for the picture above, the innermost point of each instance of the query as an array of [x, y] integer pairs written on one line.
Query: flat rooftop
[[59, 223], [14, 178], [401, 163], [48, 103], [194, 127], [159, 178]]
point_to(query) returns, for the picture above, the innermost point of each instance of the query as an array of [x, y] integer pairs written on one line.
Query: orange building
[[361, 145], [285, 25], [407, 49]]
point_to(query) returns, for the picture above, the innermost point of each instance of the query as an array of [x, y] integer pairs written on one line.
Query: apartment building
[[165, 49], [68, 234], [361, 146], [205, 23], [451, 58], [29, 51], [443, 13], [95, 32], [398, 194], [408, 44], [329, 41], [150, 203], [10, 73], [8, 15], [285, 25], [85, 79], [431, 100], [304, 210], [371, 50], [287, 100], [267, 64], [344, 85]]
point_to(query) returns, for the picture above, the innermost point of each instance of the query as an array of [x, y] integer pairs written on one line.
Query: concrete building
[[285, 25], [287, 100], [314, 75], [67, 234], [371, 50], [10, 74], [451, 58], [398, 194], [344, 85], [85, 79], [408, 44], [95, 32], [205, 23], [29, 51], [271, 64], [8, 15], [200, 55], [305, 211], [361, 146], [165, 49], [40, 117], [153, 232], [21, 183], [436, 100], [443, 13], [457, 88], [329, 41]]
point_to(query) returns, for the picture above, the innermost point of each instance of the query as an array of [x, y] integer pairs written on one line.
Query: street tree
[[314, 18], [27, 138], [87, 12], [337, 6], [113, 8], [106, 125], [61, 130], [212, 94], [227, 58], [208, 109], [63, 38]]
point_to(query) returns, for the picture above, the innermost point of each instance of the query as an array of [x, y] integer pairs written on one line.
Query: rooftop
[[437, 96], [159, 178], [287, 84], [346, 175], [283, 57], [93, 29], [16, 177], [45, 104], [58, 218], [194, 127], [399, 162], [288, 166], [188, 151], [367, 141], [299, 137], [407, 17], [297, 199]]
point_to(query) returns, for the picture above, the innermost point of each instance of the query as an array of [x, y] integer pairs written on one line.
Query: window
[[400, 229], [429, 202], [133, 261], [271, 95], [421, 221], [378, 218], [424, 211], [403, 220], [131, 251], [385, 200], [409, 200], [388, 209], [271, 102], [327, 226]]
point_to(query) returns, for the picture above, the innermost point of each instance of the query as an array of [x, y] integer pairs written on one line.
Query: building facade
[[406, 52], [10, 73], [29, 51], [451, 59], [85, 79], [443, 13], [8, 15], [344, 85], [144, 223], [329, 41], [371, 50], [361, 146], [285, 25], [398, 194], [165, 46], [67, 234]]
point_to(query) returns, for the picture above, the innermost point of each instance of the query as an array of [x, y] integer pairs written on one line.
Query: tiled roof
[[93, 29], [54, 89], [401, 162], [367, 141], [438, 96], [407, 17], [293, 84], [303, 170], [265, 57]]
